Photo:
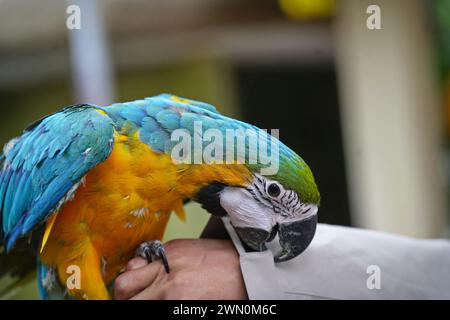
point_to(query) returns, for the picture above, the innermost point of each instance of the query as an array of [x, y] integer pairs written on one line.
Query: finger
[[136, 263], [134, 281], [152, 292]]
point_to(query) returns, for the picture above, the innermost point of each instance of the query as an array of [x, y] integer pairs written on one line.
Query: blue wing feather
[[50, 158], [157, 117]]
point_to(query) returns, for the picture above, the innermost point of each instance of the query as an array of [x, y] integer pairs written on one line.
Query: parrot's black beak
[[294, 237]]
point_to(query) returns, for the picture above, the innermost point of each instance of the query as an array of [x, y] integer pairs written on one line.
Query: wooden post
[[391, 115]]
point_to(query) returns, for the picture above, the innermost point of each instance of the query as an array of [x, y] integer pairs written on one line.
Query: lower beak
[[294, 237]]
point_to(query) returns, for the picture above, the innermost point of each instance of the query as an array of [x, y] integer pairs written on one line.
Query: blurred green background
[[369, 110]]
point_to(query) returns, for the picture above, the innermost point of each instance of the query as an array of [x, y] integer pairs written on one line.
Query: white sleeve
[[350, 263]]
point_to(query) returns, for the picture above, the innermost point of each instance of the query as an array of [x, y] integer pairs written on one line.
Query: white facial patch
[[255, 207], [244, 210]]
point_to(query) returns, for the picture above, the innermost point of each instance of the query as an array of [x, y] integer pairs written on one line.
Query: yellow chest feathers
[[127, 199]]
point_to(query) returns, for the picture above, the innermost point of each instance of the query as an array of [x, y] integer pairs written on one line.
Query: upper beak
[[294, 237]]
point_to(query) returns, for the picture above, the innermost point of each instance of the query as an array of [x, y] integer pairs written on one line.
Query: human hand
[[199, 269]]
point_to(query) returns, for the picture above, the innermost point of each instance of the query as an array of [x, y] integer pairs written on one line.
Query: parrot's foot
[[153, 250]]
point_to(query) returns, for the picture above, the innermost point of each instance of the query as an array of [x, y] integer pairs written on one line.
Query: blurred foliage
[[441, 19], [307, 9], [441, 10], [441, 15]]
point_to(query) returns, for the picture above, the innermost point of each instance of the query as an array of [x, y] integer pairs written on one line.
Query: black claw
[[162, 255], [148, 255], [153, 250]]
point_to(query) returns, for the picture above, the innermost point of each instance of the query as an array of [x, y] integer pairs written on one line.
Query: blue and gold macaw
[[88, 185]]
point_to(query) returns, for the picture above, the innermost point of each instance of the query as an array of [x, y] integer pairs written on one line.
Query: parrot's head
[[284, 203]]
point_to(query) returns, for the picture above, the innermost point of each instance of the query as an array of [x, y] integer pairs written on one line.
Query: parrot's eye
[[273, 190]]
